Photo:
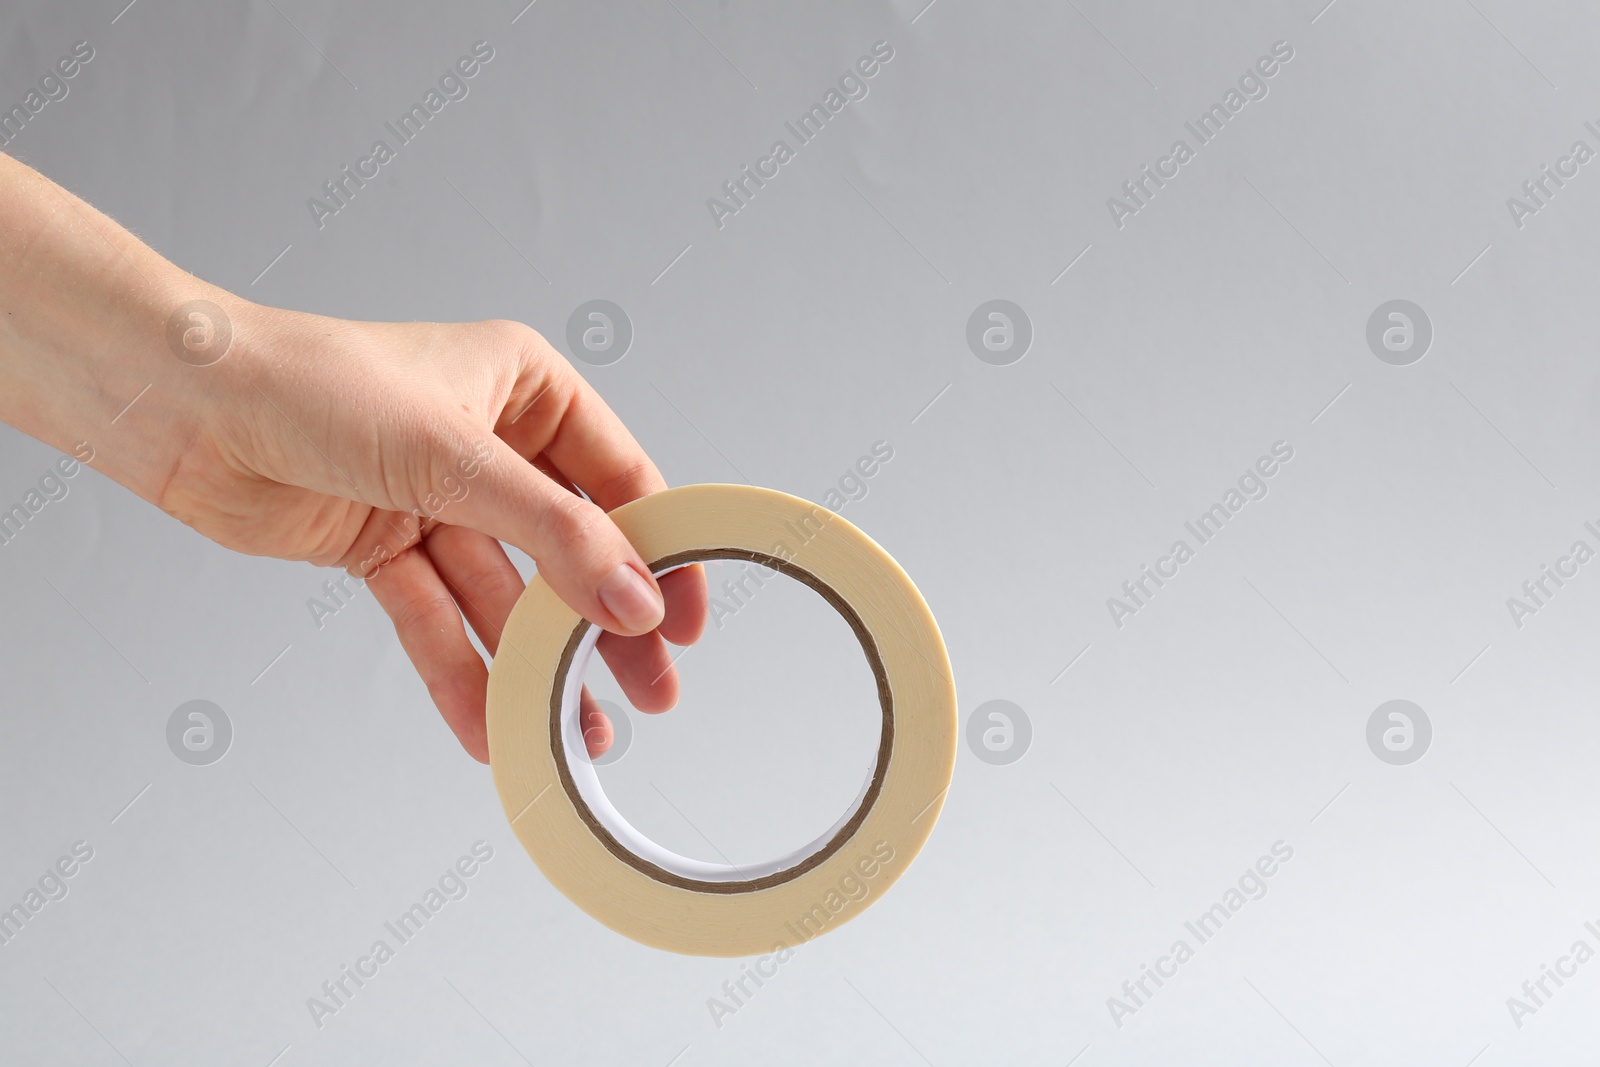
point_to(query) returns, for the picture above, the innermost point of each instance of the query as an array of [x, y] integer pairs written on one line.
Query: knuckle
[[574, 524], [639, 478], [516, 335], [423, 613], [491, 583]]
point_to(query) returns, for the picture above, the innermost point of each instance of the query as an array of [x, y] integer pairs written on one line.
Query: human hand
[[405, 452]]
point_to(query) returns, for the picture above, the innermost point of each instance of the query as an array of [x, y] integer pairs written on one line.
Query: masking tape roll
[[552, 795]]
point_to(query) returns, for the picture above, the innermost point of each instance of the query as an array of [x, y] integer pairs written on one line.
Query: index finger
[[568, 423], [556, 413]]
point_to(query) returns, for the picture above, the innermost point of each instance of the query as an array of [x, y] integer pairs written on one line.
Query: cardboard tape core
[[621, 838], [552, 795]]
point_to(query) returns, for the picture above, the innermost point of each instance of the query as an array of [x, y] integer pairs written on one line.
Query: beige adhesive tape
[[552, 794]]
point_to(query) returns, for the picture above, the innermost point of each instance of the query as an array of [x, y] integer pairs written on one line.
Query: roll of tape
[[559, 812]]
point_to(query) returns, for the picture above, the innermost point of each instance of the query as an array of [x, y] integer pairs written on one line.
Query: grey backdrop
[[1168, 754]]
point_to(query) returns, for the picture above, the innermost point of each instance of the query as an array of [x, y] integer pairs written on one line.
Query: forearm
[[84, 308]]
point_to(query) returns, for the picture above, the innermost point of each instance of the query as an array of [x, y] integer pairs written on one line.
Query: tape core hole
[[582, 783]]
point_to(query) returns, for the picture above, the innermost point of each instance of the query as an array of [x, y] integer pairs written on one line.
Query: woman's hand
[[403, 452]]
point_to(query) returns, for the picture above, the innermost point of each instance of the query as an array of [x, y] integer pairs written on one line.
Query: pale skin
[[402, 452]]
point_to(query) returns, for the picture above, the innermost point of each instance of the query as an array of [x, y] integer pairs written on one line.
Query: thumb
[[580, 552]]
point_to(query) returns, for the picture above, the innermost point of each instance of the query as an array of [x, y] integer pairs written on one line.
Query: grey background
[[827, 315]]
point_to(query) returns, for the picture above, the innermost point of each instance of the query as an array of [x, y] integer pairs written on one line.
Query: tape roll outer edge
[[872, 850]]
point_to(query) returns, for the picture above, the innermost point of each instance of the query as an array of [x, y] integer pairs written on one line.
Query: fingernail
[[633, 601]]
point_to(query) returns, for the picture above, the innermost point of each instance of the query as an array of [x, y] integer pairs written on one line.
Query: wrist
[[105, 347], [123, 375], [197, 354]]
